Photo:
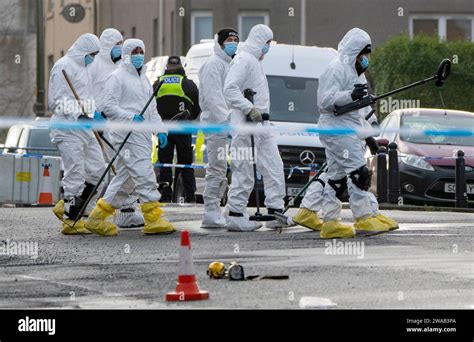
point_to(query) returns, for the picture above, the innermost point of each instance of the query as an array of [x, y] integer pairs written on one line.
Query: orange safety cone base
[[45, 199], [187, 290]]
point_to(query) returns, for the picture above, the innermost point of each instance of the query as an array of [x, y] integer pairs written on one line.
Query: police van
[[293, 74]]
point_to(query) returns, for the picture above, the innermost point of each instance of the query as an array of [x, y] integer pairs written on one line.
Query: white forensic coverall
[[344, 153], [212, 77], [80, 152], [246, 72], [126, 93], [103, 66]]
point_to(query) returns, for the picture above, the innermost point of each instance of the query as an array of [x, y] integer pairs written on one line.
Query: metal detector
[[444, 69]]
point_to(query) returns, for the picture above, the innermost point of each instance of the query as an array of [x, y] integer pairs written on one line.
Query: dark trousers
[[184, 149]]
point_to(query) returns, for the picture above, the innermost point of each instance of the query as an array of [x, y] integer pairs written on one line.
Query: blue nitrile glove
[[138, 118], [163, 139], [99, 117]]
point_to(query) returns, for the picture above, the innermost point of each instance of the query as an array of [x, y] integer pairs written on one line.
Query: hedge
[[401, 60]]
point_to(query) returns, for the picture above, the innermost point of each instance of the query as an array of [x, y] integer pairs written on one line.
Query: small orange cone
[[187, 287], [46, 189]]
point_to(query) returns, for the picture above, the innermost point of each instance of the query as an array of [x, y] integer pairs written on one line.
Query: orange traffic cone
[[46, 189], [187, 287]]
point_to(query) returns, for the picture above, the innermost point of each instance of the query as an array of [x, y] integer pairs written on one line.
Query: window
[[50, 5], [447, 27], [458, 29], [247, 20], [31, 16], [293, 99], [50, 61], [391, 125], [155, 37], [201, 26], [428, 27]]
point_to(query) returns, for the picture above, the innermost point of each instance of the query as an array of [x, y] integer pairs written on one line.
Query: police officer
[[176, 95]]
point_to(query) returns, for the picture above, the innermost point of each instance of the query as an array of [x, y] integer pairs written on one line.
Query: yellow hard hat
[[216, 270]]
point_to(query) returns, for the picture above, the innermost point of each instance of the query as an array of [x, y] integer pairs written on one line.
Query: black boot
[[166, 193], [73, 205], [190, 198]]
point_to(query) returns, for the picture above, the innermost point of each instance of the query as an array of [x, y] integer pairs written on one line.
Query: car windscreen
[[40, 143], [436, 123], [293, 99]]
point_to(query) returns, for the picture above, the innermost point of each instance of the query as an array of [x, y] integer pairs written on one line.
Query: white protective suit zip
[[214, 107], [80, 152], [246, 72]]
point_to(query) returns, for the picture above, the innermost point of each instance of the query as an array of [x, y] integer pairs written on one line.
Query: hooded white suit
[[344, 154], [214, 108], [126, 93], [103, 65], [79, 149], [246, 72], [102, 68]]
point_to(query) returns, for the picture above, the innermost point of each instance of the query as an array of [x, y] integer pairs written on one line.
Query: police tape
[[194, 128], [180, 166]]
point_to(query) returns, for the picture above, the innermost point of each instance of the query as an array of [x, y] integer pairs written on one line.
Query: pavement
[[427, 264]]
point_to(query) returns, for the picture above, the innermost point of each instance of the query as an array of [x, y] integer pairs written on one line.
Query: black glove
[[360, 90], [372, 144]]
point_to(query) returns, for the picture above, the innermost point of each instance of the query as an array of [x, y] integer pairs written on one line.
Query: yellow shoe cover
[[370, 224], [391, 223], [97, 222], [308, 218], [58, 210], [335, 229], [79, 228], [154, 224]]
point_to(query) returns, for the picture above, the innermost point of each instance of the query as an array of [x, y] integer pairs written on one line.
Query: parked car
[[426, 163], [292, 72], [28, 139]]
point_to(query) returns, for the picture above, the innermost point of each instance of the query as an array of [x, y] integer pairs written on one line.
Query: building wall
[[61, 34], [17, 59], [326, 20], [329, 20]]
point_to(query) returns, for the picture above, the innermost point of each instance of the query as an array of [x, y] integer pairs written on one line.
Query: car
[[29, 139], [292, 73], [427, 163]]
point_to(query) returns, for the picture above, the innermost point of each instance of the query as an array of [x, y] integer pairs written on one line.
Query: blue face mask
[[265, 49], [88, 59], [116, 51], [230, 48], [364, 62], [138, 61]]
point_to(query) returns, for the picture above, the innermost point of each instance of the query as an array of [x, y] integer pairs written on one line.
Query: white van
[[292, 72]]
